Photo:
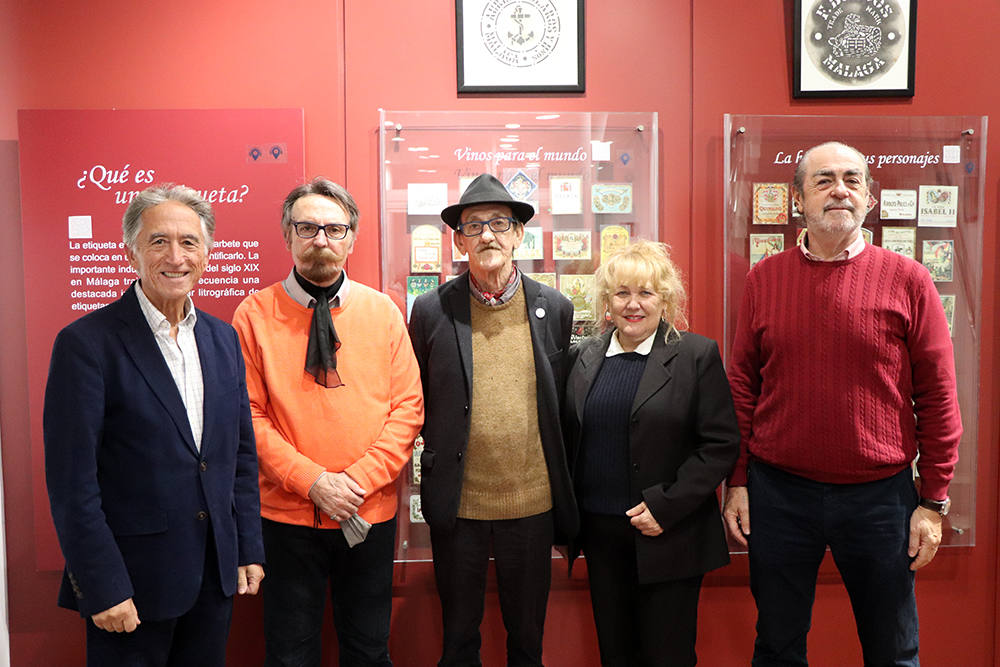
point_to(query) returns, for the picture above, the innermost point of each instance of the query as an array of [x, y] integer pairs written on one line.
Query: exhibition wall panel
[[688, 61]]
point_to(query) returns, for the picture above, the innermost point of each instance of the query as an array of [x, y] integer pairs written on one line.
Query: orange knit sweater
[[364, 428]]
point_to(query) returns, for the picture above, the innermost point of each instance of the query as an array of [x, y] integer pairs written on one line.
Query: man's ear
[[458, 240], [518, 235]]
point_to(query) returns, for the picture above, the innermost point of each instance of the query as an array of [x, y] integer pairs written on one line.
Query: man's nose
[[321, 239], [176, 253]]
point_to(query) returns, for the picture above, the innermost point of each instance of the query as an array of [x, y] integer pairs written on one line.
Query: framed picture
[[565, 195], [522, 46], [765, 245], [571, 245], [854, 48], [770, 203]]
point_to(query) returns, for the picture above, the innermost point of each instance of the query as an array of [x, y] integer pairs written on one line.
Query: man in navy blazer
[[149, 454]]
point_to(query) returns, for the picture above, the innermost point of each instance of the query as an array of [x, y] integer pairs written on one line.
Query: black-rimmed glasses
[[496, 225], [308, 230]]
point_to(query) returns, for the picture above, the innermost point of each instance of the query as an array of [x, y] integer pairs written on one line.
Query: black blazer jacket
[[442, 340], [683, 441]]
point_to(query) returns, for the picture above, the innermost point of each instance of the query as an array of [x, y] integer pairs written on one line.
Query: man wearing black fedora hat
[[491, 346]]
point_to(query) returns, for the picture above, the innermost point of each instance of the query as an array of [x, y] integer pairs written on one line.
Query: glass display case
[[928, 204], [591, 177]]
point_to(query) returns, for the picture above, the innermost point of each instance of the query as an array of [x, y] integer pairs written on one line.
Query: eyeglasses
[[496, 225], [308, 230]]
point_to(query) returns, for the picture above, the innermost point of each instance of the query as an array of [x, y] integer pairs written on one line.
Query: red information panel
[[80, 169]]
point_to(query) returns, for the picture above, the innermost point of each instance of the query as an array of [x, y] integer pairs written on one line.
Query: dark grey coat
[[442, 341]]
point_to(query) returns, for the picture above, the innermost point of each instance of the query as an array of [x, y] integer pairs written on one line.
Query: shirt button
[[460, 456], [201, 516], [204, 466], [635, 467]]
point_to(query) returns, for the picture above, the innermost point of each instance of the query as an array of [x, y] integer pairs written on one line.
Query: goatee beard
[[322, 266]]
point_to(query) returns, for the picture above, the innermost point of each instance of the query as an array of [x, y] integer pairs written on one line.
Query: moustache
[[319, 253], [839, 207], [491, 246]]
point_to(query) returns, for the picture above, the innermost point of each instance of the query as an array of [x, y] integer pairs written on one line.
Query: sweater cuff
[[933, 490], [738, 477], [356, 471], [301, 480]]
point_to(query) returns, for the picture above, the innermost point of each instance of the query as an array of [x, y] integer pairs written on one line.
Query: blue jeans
[[867, 527], [301, 563]]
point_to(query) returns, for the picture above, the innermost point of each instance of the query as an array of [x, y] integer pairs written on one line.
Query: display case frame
[[602, 165], [916, 156]]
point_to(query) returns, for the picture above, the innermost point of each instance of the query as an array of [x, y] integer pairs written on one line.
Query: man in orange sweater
[[336, 402]]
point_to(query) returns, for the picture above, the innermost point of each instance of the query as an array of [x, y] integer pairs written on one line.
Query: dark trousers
[[637, 624], [867, 527], [522, 551], [301, 562], [196, 639]]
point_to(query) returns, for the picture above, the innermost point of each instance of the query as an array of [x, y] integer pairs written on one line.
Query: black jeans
[[522, 551], [638, 625], [867, 528], [301, 562]]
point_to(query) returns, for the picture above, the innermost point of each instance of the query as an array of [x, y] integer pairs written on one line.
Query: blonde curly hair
[[642, 264]]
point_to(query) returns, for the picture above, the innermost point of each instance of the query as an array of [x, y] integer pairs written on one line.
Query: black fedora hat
[[486, 189]]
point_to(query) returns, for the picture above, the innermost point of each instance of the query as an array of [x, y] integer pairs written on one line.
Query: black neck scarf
[[321, 355]]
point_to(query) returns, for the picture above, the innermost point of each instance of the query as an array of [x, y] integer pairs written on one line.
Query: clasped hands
[[337, 495]]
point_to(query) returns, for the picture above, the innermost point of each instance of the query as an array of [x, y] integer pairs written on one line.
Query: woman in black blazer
[[651, 433]]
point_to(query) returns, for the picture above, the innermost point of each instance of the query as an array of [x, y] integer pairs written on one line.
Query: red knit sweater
[[830, 364]]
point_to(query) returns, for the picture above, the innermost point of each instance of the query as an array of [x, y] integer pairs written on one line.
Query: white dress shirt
[[182, 359]]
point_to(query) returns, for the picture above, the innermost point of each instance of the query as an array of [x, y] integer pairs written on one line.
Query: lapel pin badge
[[539, 313]]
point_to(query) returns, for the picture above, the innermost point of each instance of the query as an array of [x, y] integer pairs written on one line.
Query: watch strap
[[939, 506]]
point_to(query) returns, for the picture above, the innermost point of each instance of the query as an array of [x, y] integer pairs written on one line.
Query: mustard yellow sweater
[[505, 472]]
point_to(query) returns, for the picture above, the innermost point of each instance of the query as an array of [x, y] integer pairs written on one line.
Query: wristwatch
[[940, 506]]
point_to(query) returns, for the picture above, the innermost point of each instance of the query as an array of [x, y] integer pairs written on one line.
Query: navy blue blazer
[[442, 341], [132, 499]]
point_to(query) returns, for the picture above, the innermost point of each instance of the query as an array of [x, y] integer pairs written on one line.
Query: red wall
[[342, 59], [954, 75]]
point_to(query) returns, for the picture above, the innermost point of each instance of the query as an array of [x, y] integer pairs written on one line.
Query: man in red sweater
[[842, 373]]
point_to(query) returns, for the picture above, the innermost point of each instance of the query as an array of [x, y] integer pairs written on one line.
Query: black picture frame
[[546, 55], [854, 48]]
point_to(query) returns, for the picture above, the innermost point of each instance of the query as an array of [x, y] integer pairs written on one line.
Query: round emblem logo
[[520, 33], [854, 41]]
